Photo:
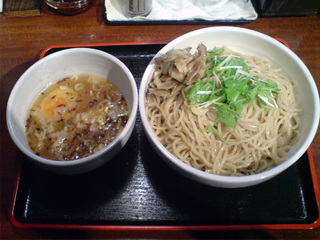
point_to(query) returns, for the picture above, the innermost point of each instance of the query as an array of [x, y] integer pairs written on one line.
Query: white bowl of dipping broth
[[246, 42], [53, 68]]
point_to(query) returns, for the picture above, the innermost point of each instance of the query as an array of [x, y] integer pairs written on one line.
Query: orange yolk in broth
[[57, 98]]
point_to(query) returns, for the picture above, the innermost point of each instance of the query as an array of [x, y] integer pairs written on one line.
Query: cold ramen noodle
[[75, 117], [222, 112]]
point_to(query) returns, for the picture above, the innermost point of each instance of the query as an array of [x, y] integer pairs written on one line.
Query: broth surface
[[76, 117]]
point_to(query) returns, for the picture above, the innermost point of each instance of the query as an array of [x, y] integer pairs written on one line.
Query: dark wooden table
[[23, 39]]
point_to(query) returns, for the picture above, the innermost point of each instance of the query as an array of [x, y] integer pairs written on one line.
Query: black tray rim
[[313, 225]]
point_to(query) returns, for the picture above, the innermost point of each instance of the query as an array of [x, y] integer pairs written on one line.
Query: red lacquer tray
[[138, 191]]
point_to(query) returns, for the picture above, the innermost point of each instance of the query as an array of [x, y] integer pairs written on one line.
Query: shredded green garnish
[[228, 85], [215, 131]]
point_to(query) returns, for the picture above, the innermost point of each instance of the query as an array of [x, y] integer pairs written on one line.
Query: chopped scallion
[[228, 86]]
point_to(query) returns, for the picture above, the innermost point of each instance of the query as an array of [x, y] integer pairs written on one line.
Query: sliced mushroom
[[179, 66]]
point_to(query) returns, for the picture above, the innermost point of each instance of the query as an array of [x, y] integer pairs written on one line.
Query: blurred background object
[[69, 7], [137, 7], [281, 8], [21, 8]]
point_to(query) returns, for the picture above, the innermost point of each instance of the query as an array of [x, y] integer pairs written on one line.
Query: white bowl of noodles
[[88, 101], [192, 136]]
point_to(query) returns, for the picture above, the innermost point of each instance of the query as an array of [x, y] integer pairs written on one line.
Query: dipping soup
[[76, 117]]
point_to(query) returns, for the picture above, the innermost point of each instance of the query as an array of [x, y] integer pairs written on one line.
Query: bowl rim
[[233, 181], [61, 53]]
